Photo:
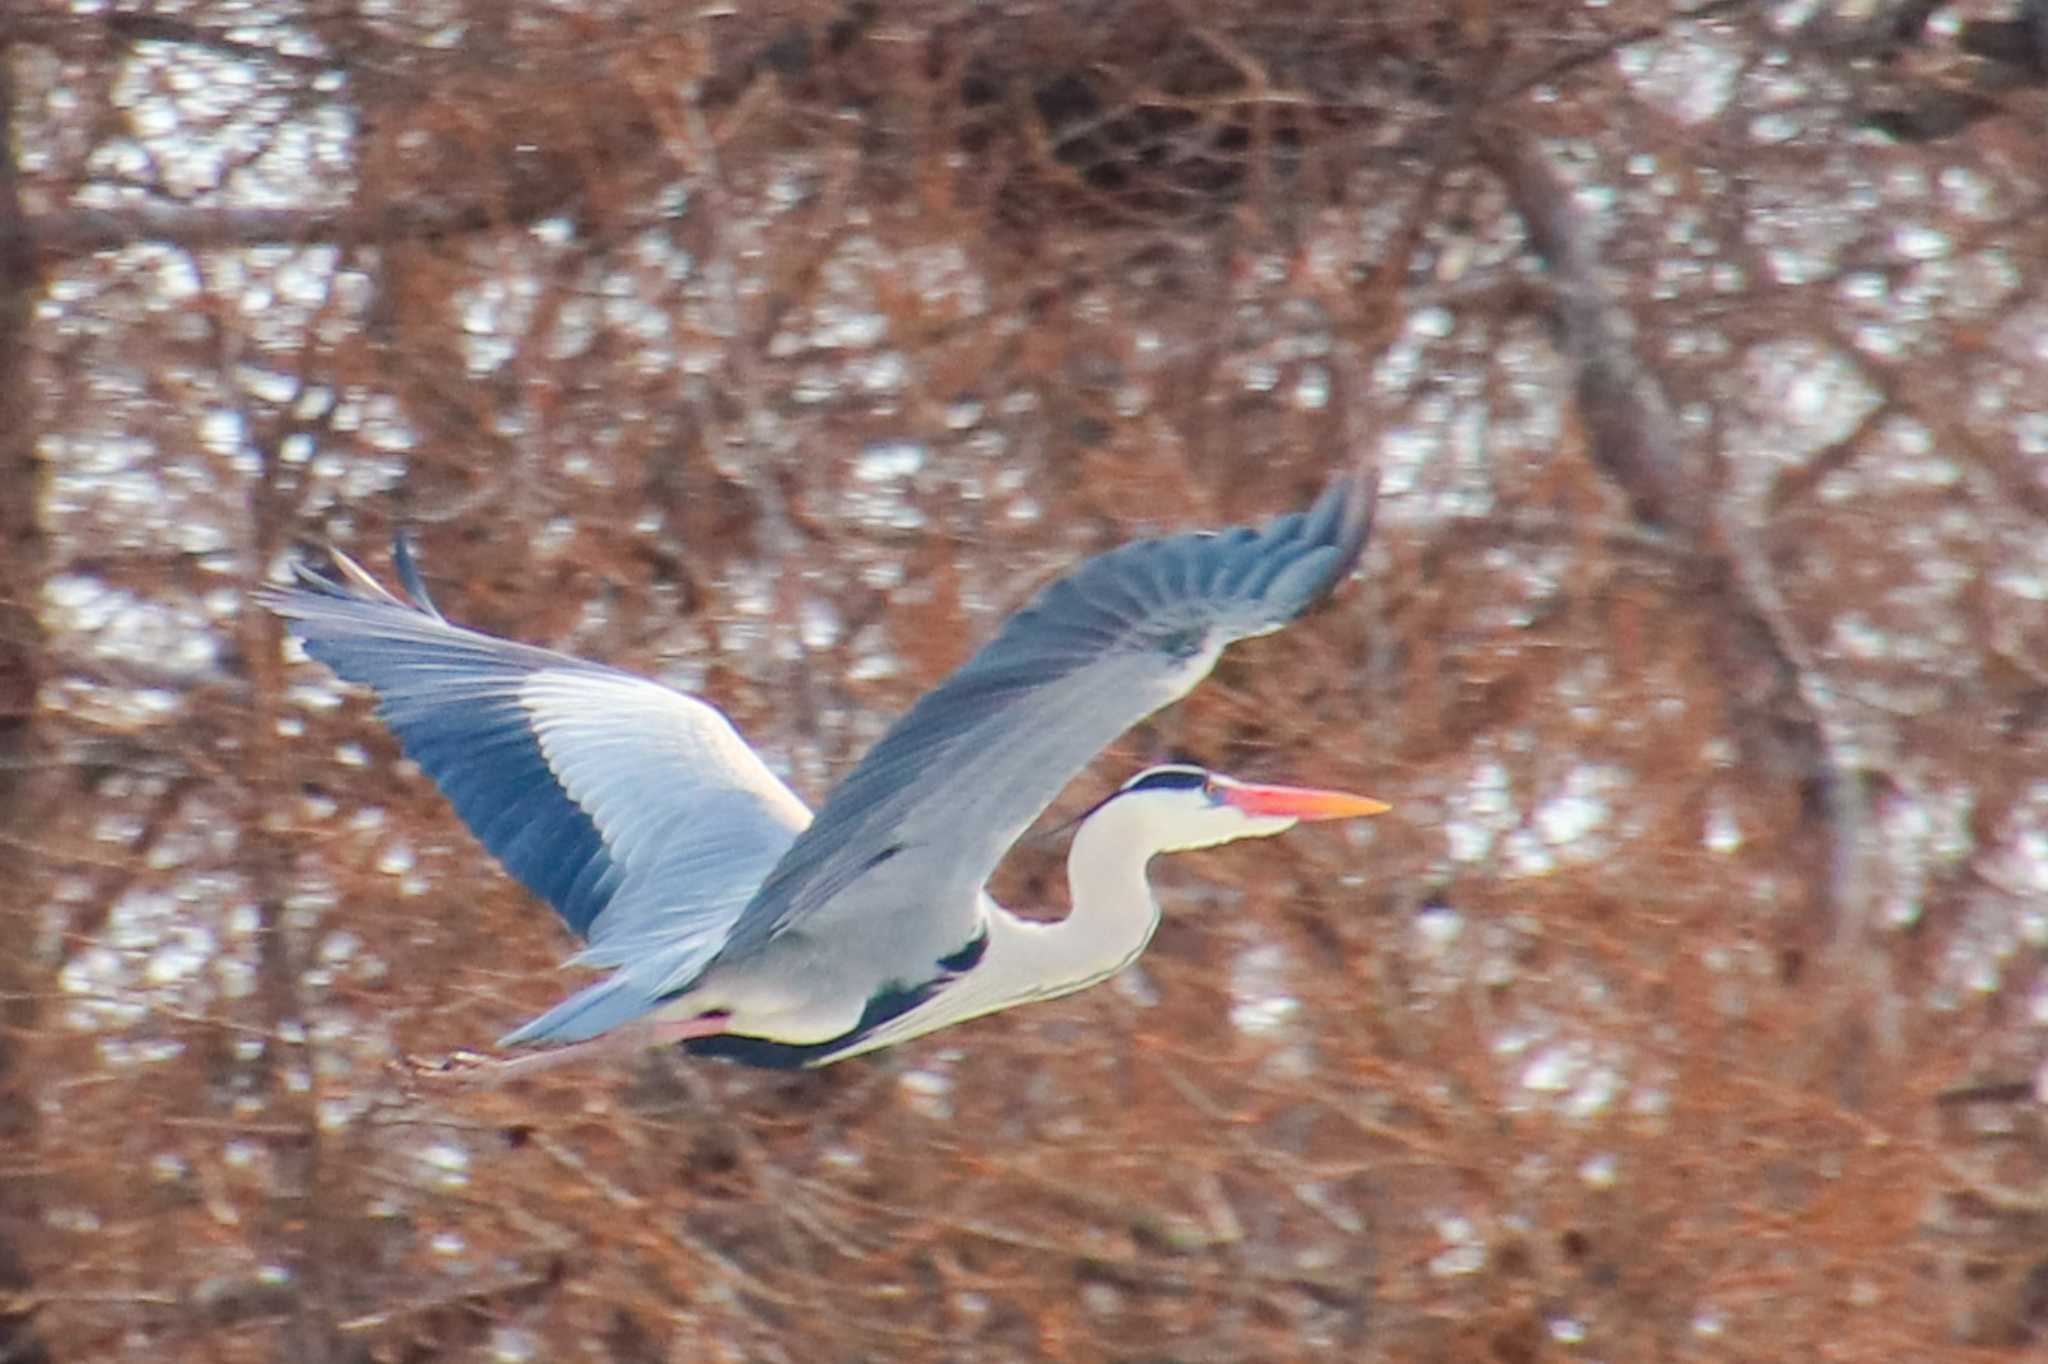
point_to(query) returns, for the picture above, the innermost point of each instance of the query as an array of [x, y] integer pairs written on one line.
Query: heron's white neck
[[1110, 917], [1109, 921]]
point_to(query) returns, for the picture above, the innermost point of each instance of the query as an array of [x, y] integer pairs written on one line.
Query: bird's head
[[1179, 807]]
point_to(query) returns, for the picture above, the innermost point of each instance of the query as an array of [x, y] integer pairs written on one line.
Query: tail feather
[[596, 1009]]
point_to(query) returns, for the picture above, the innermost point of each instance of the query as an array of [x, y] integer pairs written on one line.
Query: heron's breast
[[791, 989], [772, 1025]]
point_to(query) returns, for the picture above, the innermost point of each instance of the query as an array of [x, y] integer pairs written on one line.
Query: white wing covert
[[635, 810]]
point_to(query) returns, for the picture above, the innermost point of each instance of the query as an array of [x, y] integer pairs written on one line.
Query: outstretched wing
[[912, 833], [635, 810]]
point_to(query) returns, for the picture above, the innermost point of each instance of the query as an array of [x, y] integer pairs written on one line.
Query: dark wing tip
[[1328, 539], [409, 574], [346, 580], [1352, 499]]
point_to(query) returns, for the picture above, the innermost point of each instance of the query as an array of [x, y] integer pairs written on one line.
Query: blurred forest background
[[1691, 1004]]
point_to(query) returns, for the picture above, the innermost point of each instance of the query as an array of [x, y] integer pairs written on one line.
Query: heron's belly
[[793, 990], [768, 1027], [781, 1052]]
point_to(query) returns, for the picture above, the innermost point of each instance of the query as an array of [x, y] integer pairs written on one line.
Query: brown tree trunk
[[21, 578]]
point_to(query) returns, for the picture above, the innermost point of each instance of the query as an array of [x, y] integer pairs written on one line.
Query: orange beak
[[1301, 802]]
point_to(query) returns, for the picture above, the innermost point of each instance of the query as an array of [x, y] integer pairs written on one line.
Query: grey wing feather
[[635, 810], [913, 832]]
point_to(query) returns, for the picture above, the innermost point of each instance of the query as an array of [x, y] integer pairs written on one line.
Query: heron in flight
[[737, 924]]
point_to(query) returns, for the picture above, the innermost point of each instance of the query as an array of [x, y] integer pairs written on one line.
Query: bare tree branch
[[1633, 436], [66, 234], [22, 549], [1629, 423]]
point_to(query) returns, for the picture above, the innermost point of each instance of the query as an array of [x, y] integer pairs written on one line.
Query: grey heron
[[734, 922]]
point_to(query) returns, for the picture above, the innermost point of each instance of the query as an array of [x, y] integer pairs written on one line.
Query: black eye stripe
[[1175, 778]]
